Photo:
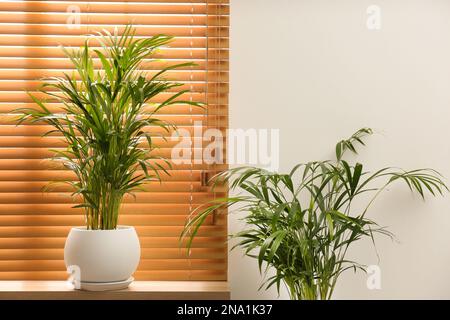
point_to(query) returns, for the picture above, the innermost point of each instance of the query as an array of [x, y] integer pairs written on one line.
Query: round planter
[[103, 256]]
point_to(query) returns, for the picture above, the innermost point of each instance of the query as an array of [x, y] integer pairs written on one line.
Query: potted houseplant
[[104, 119], [302, 223]]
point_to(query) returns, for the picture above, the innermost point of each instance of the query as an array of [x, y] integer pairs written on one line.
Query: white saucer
[[105, 286]]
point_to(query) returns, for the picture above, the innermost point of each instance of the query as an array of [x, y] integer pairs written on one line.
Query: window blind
[[33, 223]]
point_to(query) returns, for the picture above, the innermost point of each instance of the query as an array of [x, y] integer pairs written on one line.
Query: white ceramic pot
[[103, 256]]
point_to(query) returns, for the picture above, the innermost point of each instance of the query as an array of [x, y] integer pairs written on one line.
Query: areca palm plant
[[302, 223], [107, 119]]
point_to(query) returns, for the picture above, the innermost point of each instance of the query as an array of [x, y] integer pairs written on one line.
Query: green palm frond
[[301, 224], [105, 120]]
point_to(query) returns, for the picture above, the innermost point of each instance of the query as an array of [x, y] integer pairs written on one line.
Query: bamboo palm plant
[[302, 223], [105, 119]]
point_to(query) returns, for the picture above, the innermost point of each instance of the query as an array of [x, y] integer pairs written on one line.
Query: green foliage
[[303, 223], [105, 120]]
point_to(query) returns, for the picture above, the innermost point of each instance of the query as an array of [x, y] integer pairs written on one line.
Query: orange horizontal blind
[[33, 223]]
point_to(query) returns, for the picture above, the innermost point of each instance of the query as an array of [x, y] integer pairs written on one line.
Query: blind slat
[[139, 197], [152, 264], [115, 7], [149, 242], [146, 253], [39, 63], [145, 275], [38, 186], [143, 231], [175, 109], [212, 54], [59, 175], [77, 41], [33, 130], [149, 30], [33, 74], [34, 166], [115, 18]]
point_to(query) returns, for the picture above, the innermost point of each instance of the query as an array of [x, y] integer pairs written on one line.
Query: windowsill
[[138, 290]]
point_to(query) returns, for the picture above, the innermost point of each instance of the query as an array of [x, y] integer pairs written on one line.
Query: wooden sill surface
[[138, 290]]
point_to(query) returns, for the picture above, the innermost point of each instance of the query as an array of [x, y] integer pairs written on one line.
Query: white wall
[[312, 69]]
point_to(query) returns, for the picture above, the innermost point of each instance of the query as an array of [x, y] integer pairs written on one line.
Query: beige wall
[[312, 69]]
